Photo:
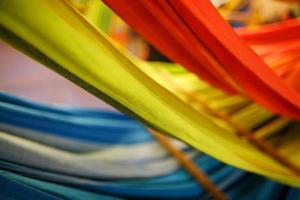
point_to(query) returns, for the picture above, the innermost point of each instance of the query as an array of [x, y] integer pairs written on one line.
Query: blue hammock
[[32, 133]]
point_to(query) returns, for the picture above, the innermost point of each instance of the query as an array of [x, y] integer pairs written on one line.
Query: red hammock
[[194, 34]]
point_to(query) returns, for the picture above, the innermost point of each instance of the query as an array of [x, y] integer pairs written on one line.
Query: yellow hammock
[[53, 33]]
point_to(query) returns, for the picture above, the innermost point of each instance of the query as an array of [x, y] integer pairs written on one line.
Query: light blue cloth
[[60, 153]]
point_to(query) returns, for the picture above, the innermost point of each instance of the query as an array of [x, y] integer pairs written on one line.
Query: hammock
[[31, 180], [53, 33]]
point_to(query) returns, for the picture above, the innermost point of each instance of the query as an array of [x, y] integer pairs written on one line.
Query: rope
[[188, 164]]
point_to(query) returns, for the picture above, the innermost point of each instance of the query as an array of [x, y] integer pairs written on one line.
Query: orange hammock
[[194, 34]]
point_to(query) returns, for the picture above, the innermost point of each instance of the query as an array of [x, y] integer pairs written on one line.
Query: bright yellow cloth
[[56, 35]]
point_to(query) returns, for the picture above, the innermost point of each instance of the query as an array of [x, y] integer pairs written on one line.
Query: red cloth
[[194, 34]]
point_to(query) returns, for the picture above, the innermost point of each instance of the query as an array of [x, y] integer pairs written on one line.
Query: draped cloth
[[145, 169], [193, 33], [53, 33]]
